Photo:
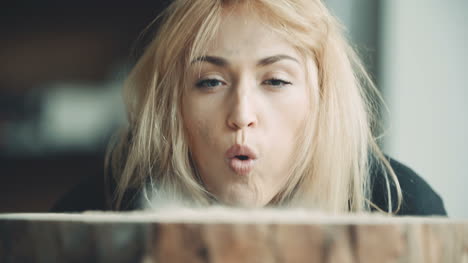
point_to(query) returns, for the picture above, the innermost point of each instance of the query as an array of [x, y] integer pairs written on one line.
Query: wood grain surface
[[145, 238]]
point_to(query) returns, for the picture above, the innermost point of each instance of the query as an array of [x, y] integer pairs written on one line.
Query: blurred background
[[62, 67]]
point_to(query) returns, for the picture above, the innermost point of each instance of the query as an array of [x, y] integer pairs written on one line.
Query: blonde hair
[[336, 151]]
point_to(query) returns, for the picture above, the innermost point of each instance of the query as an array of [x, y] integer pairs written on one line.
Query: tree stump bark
[[230, 236]]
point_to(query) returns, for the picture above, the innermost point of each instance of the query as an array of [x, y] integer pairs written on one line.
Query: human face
[[247, 96]]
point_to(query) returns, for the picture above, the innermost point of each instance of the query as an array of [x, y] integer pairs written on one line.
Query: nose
[[242, 113]]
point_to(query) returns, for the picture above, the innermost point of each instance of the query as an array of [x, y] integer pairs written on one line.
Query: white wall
[[424, 71]]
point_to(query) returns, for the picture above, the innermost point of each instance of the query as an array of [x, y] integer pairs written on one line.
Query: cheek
[[199, 127], [291, 114], [290, 120]]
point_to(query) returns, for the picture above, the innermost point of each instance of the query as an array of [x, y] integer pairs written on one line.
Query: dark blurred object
[[45, 41], [33, 184], [62, 65]]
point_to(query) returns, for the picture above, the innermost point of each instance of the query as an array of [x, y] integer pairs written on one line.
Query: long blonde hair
[[333, 158]]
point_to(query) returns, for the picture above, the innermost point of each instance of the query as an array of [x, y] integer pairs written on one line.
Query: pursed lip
[[238, 149], [241, 166]]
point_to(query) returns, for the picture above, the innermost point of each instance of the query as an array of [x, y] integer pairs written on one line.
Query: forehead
[[243, 34]]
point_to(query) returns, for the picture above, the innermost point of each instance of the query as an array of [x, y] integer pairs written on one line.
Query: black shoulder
[[87, 195], [419, 199], [94, 194]]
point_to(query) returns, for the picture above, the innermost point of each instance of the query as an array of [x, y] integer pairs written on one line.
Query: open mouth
[[242, 157]]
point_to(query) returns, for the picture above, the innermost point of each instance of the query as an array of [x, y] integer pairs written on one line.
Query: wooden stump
[[226, 235]]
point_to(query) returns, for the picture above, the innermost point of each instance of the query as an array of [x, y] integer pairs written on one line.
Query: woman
[[252, 104]]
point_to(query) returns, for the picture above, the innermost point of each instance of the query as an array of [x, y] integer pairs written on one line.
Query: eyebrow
[[273, 59], [219, 61]]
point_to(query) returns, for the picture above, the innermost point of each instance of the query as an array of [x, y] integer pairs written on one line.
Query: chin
[[244, 201]]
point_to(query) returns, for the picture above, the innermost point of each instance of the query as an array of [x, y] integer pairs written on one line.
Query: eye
[[277, 83], [209, 83]]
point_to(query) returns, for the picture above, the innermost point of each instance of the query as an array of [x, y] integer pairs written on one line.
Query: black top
[[419, 199]]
